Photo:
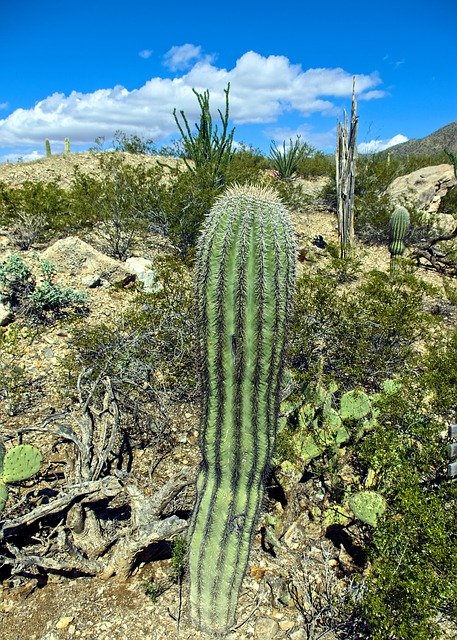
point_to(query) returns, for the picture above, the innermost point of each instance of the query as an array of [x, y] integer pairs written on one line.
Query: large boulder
[[76, 259], [424, 188]]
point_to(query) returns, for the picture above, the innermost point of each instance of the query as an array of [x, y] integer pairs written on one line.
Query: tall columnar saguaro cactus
[[66, 146], [398, 226], [47, 147], [244, 286]]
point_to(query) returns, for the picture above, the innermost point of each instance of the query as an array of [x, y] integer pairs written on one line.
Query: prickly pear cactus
[[398, 226], [16, 464], [244, 290], [368, 506]]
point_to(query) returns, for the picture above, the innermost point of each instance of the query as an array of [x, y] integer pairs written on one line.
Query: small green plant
[[18, 463], [20, 291], [134, 144], [287, 161], [178, 557], [47, 146], [367, 506], [209, 151], [153, 589]]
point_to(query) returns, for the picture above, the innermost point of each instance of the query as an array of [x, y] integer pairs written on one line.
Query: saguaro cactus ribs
[[244, 285]]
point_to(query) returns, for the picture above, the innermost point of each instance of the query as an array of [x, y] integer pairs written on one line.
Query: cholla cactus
[[244, 287], [16, 464], [66, 146], [398, 226], [47, 146]]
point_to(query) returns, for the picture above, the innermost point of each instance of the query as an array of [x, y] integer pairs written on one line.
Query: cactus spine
[[66, 146], [16, 464], [244, 286], [398, 226], [47, 146]]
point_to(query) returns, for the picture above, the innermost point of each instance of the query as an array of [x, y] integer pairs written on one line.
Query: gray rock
[[75, 258], [142, 269], [6, 315], [424, 188], [92, 280]]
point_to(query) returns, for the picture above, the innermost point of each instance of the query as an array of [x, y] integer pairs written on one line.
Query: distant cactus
[[47, 146], [244, 288], [398, 226], [66, 146], [16, 464], [367, 506]]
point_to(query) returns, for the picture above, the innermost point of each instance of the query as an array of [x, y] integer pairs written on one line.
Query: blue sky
[[86, 68]]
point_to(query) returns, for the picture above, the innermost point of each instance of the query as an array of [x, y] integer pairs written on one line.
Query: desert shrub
[[148, 353], [440, 376], [365, 333], [134, 144], [124, 202], [413, 576], [38, 301], [34, 212], [316, 164], [246, 164]]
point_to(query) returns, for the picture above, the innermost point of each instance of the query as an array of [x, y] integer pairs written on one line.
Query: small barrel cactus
[[244, 290], [16, 464], [398, 226]]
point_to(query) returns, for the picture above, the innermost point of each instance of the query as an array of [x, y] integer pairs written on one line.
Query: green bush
[[41, 301], [124, 202], [365, 333], [35, 212], [148, 353], [413, 575]]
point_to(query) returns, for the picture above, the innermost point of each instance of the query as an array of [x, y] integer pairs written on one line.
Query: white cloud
[[323, 140], [262, 90], [21, 157], [178, 58], [3, 105], [145, 53], [373, 146]]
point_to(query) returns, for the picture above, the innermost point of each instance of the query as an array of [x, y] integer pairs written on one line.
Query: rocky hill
[[433, 144]]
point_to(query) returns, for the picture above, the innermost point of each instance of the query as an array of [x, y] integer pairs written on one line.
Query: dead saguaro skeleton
[[346, 153]]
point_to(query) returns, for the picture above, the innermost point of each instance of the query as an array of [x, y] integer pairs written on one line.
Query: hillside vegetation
[[357, 532]]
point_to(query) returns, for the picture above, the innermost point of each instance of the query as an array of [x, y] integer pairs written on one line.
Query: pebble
[[64, 622]]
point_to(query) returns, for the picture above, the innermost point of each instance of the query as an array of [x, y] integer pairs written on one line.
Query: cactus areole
[[244, 286]]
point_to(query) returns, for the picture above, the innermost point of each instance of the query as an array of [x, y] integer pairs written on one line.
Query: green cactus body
[[66, 146], [244, 288], [16, 464], [367, 506], [398, 226], [47, 146]]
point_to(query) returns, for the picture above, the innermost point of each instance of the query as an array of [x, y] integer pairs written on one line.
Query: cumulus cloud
[[373, 146], [145, 53], [262, 89], [324, 140], [182, 57]]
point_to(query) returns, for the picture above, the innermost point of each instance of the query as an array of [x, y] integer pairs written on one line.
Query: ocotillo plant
[[398, 226], [244, 287], [47, 146]]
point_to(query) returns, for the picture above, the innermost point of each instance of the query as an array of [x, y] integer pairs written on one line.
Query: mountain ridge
[[435, 143]]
